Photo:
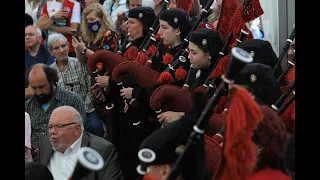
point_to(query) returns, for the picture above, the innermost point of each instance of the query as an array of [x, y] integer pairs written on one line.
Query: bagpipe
[[238, 60], [88, 160], [282, 102], [219, 68], [284, 50], [147, 78], [291, 62]]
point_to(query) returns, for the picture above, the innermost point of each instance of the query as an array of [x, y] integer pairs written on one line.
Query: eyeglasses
[[59, 126]]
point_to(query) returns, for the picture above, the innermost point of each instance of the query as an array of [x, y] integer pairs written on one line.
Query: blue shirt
[[31, 60]]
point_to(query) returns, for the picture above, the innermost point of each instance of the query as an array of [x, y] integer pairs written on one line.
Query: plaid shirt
[[39, 118], [77, 79]]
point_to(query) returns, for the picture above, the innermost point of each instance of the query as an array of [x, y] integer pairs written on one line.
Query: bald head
[[43, 80], [37, 71], [67, 113], [65, 127]]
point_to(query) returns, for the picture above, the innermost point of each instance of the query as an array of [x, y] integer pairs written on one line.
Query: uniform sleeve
[[76, 16]]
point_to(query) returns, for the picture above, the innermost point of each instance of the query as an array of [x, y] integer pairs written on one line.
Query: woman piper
[[204, 47]]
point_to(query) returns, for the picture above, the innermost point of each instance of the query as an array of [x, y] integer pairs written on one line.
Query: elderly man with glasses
[[65, 137]]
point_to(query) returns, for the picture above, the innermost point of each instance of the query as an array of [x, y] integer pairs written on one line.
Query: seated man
[[47, 96], [35, 52], [58, 150]]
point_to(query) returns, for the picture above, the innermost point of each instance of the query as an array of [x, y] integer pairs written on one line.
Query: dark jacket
[[111, 169]]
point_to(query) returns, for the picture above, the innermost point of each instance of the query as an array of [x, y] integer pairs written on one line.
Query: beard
[[44, 98]]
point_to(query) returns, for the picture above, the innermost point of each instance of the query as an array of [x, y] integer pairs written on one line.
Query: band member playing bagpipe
[[131, 125], [160, 150], [140, 19], [288, 116], [258, 80], [204, 47], [96, 34], [174, 27]]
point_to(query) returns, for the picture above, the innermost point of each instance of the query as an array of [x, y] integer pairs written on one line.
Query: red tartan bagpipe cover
[[108, 58]]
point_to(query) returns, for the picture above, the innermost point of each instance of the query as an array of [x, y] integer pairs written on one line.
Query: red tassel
[[167, 59], [180, 73], [243, 116], [291, 75], [221, 67], [148, 177], [252, 11], [99, 66], [142, 58], [165, 78], [157, 36], [150, 50], [201, 25], [131, 53]]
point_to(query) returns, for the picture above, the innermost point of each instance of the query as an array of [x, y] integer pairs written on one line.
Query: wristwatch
[[53, 18], [51, 27], [84, 51]]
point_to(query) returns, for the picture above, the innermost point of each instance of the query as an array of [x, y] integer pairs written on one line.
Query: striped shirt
[[76, 79], [39, 118]]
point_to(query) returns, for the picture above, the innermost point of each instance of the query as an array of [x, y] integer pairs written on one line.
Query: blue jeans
[[94, 124]]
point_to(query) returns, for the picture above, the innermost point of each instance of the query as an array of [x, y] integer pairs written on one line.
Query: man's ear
[[166, 171], [178, 32], [50, 51]]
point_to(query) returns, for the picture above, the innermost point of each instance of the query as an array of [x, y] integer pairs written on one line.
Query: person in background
[[27, 138], [75, 76], [115, 6], [61, 16], [47, 96], [65, 138], [35, 52]]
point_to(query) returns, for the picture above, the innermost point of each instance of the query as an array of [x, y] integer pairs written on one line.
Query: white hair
[[75, 114], [54, 37], [38, 30]]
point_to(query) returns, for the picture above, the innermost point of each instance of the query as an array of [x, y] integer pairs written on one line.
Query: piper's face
[[168, 33], [135, 28], [197, 57]]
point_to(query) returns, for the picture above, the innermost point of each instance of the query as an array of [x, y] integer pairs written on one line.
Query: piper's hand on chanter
[[126, 93], [102, 81], [169, 116], [96, 90]]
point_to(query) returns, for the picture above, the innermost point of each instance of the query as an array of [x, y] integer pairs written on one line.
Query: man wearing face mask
[[47, 97]]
